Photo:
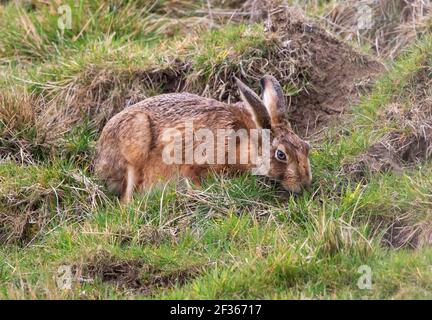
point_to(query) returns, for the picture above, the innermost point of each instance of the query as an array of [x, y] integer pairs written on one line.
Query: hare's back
[[152, 116], [175, 107]]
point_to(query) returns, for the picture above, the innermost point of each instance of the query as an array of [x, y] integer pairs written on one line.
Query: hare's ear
[[255, 105], [274, 100]]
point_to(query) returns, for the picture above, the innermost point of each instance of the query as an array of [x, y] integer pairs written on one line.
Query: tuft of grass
[[394, 24], [37, 199], [35, 34]]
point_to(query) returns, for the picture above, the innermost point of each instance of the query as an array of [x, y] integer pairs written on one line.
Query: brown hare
[[132, 149]]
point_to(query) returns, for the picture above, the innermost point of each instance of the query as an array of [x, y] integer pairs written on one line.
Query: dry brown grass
[[21, 131], [395, 24]]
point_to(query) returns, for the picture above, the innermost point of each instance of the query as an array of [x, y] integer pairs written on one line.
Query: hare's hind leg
[[129, 185], [134, 146]]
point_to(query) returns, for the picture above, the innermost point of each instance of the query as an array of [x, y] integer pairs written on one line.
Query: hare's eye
[[280, 155]]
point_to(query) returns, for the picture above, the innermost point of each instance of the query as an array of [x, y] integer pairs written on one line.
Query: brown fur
[[129, 151]]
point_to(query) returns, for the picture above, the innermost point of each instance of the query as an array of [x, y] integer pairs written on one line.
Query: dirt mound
[[406, 146], [333, 72], [322, 75]]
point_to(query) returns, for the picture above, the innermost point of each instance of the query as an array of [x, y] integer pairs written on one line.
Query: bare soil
[[335, 73], [410, 143], [134, 275]]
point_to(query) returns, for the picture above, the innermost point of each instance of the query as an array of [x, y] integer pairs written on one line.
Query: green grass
[[229, 239], [35, 35]]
